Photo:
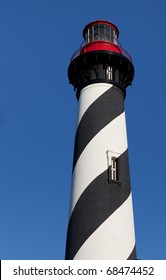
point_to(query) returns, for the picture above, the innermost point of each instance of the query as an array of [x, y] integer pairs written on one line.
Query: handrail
[[83, 44]]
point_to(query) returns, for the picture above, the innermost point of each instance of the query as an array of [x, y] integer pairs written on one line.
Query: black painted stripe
[[100, 113], [133, 254], [99, 200]]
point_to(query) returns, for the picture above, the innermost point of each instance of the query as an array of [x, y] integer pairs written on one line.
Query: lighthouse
[[101, 224]]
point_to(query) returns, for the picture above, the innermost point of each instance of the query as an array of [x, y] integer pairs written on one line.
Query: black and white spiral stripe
[[101, 216]]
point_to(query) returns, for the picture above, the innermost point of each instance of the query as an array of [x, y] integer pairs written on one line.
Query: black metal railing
[[84, 44]]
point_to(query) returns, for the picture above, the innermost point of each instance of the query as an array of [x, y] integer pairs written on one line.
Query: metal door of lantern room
[[101, 225]]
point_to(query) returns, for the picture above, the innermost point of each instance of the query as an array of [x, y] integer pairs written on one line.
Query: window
[[96, 32], [109, 73], [115, 38], [89, 36], [101, 32], [109, 33], [114, 168]]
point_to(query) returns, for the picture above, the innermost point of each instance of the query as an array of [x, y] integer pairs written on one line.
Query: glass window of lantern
[[101, 32], [88, 36], [108, 35], [96, 32], [115, 37], [111, 35]]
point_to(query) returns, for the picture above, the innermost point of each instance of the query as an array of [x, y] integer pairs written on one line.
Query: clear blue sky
[[38, 112]]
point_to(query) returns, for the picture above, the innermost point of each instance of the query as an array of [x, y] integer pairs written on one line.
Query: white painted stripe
[[93, 160], [89, 94], [114, 239]]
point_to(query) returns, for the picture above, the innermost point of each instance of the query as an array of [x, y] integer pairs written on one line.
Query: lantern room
[[101, 30], [100, 58], [101, 35]]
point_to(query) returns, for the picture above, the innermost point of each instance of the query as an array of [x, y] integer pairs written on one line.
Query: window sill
[[115, 182]]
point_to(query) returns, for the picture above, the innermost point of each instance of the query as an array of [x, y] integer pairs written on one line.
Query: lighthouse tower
[[101, 225]]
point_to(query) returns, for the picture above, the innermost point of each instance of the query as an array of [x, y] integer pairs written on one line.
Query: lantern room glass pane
[[101, 32]]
